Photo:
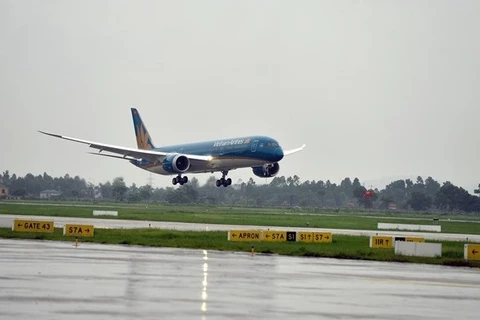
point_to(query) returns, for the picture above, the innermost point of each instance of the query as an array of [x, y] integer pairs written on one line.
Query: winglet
[[50, 134], [288, 152]]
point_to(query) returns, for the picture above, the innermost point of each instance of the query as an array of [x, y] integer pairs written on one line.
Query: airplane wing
[[288, 152], [151, 155]]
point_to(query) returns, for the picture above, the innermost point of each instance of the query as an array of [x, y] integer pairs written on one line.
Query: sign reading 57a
[[78, 230]]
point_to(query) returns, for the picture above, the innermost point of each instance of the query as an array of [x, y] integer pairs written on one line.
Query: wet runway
[[55, 280], [7, 220]]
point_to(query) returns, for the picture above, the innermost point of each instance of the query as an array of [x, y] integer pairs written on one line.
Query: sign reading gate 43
[[33, 226]]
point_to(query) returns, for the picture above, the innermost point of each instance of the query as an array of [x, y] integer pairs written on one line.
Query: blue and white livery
[[261, 153]]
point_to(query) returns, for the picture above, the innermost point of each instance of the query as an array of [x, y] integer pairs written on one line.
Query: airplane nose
[[278, 155]]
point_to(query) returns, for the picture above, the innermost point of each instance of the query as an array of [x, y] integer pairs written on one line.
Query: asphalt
[[6, 221], [56, 280]]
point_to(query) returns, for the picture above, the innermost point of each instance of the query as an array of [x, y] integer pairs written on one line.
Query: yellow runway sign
[[78, 230], [324, 237], [305, 237], [472, 252], [33, 226], [410, 239], [274, 236], [244, 235], [381, 242]]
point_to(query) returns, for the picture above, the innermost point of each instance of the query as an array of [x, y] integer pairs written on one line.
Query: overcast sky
[[376, 89]]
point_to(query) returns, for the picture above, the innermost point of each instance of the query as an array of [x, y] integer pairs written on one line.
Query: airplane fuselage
[[226, 154], [261, 153]]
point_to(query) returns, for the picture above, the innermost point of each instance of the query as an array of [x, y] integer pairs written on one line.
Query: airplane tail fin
[[143, 137]]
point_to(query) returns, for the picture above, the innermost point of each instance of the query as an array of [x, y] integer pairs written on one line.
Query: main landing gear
[[180, 180], [222, 181]]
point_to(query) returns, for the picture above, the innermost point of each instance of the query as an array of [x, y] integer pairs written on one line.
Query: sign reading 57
[[322, 237]]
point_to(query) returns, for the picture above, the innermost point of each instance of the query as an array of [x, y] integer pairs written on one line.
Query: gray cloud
[[375, 89]]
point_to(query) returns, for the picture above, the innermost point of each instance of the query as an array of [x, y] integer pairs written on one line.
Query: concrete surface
[[55, 280]]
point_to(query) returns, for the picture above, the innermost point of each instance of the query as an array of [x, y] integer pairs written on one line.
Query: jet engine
[[176, 163], [267, 170]]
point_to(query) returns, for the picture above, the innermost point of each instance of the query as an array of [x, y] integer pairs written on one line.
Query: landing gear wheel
[[222, 181], [180, 180]]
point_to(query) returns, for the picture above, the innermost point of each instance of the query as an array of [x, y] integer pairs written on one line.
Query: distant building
[[97, 192], [352, 204], [392, 206], [48, 194], [3, 192]]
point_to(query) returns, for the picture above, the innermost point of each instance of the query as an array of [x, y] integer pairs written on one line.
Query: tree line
[[419, 195]]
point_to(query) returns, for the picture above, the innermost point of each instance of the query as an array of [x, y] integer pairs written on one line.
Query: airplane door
[[254, 145]]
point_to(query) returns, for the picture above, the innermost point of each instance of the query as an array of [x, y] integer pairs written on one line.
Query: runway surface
[[6, 221], [55, 280]]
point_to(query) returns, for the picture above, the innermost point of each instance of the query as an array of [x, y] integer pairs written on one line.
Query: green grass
[[344, 247], [334, 219]]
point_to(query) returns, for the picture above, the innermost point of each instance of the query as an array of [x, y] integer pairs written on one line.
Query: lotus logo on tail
[[143, 138]]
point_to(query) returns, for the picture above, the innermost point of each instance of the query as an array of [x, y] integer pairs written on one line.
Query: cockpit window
[[272, 144]]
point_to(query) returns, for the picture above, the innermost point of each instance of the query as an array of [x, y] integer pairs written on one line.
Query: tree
[[418, 201], [5, 179], [358, 193], [194, 183], [346, 185], [451, 197], [321, 193], [278, 182], [106, 190], [19, 193], [145, 192], [431, 187], [477, 191], [419, 180], [356, 183], [178, 195], [369, 197], [119, 189], [385, 201], [396, 190], [133, 194]]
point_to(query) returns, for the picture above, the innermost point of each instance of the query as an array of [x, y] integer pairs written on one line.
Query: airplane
[[261, 153]]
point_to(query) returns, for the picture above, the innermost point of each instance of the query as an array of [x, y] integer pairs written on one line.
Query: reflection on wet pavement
[[48, 280]]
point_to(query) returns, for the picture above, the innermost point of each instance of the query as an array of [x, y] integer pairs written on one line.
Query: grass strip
[[342, 247], [237, 216]]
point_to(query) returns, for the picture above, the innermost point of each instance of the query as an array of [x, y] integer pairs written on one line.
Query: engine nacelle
[[267, 170], [176, 163]]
